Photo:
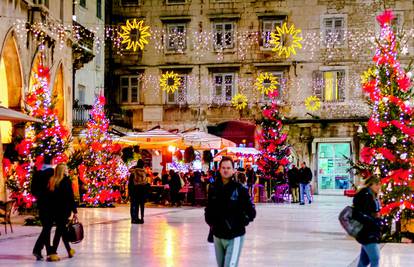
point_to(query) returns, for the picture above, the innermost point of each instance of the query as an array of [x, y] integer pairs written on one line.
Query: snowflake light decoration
[[170, 82], [266, 83], [239, 101]]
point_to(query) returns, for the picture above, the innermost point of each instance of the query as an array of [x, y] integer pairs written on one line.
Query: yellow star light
[[137, 31], [285, 40], [239, 101], [170, 82], [266, 83], [368, 75], [312, 103]]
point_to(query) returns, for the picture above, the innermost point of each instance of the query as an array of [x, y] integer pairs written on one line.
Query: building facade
[[89, 70], [218, 48]]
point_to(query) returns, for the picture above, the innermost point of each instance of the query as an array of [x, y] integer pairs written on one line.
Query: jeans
[[44, 238], [305, 188], [228, 251], [370, 253], [136, 205], [61, 232]]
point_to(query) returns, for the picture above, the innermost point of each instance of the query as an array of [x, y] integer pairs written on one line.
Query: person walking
[[293, 174], [251, 178], [366, 211], [63, 204], [39, 189], [175, 186], [305, 177], [229, 210], [137, 188]]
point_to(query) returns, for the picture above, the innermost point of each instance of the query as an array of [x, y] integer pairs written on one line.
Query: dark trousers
[[61, 232], [44, 238], [137, 204]]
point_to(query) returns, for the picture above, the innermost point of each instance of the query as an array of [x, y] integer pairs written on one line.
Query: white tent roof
[[203, 140]]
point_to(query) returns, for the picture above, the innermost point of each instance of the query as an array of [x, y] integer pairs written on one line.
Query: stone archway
[[58, 96], [11, 82]]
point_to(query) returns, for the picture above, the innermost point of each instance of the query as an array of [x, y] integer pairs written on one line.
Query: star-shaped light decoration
[[368, 75], [286, 40], [312, 103], [239, 101], [170, 82], [266, 83], [134, 34]]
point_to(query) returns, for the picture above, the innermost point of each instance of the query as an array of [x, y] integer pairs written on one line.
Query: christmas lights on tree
[[102, 169], [271, 140], [48, 138], [389, 134]]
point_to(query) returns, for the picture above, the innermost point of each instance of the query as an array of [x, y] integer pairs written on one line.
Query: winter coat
[[138, 183], [305, 175], [62, 200], [366, 205], [39, 188], [293, 177], [229, 209]]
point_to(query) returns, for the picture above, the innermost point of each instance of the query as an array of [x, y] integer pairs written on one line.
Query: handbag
[[351, 226], [75, 231]]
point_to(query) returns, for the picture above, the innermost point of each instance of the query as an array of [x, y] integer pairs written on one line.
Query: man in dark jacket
[[229, 210], [137, 188], [39, 188], [366, 211], [293, 181], [305, 177]]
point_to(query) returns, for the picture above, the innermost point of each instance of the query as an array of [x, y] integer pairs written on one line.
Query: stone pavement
[[282, 235]]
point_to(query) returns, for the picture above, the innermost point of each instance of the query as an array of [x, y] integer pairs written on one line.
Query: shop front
[[331, 164]]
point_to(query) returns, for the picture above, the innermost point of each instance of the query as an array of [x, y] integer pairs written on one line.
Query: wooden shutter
[[340, 76], [317, 83]]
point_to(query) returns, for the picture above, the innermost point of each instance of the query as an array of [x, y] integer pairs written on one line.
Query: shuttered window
[[329, 86]]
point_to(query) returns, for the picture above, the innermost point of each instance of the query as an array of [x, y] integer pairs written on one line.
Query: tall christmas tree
[[389, 135], [46, 138], [271, 140], [102, 169]]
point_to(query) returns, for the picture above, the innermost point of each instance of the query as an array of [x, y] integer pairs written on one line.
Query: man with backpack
[[137, 188], [229, 210]]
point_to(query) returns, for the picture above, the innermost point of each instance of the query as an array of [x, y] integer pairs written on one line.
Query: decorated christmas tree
[[102, 169], [272, 142], [46, 138], [389, 136]]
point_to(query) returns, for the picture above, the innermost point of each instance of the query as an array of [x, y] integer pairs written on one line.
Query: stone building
[[220, 47]]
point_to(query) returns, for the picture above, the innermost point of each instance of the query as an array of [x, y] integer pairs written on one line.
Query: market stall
[[203, 141]]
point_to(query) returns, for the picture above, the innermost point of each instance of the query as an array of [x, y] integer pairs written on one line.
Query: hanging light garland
[[133, 28], [266, 83], [170, 82], [286, 40]]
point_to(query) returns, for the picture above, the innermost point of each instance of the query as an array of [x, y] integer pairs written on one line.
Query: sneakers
[[53, 257], [71, 253]]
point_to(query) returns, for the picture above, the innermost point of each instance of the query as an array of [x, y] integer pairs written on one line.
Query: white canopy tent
[[203, 141], [156, 138]]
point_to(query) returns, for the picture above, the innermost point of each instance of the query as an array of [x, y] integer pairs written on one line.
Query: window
[[130, 2], [224, 87], [223, 35], [268, 26], [99, 9], [176, 1], [82, 3], [280, 86], [81, 94], [334, 30], [176, 37], [329, 85], [180, 95], [129, 89]]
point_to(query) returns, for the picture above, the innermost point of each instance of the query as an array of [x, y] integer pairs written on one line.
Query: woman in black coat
[[63, 204], [366, 211]]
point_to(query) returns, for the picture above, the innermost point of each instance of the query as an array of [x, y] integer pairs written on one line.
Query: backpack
[[351, 226]]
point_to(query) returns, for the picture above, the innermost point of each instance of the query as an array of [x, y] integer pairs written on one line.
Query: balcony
[[82, 48], [81, 115]]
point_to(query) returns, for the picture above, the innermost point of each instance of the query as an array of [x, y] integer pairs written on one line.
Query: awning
[[150, 139], [201, 140], [7, 114], [236, 152]]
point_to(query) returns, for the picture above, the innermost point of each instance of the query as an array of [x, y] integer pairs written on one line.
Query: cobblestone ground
[[282, 235]]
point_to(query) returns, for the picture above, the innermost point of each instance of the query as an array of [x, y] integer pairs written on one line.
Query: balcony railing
[[81, 115]]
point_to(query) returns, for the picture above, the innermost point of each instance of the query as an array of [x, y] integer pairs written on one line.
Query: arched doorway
[[10, 83], [58, 94]]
